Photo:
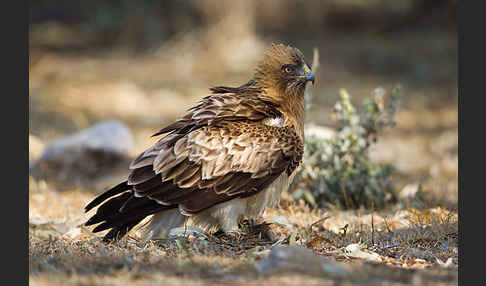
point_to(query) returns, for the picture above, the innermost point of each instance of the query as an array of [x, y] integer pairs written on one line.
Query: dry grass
[[62, 251]]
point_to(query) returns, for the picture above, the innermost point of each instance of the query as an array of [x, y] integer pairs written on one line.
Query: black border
[[460, 90], [470, 25], [14, 210]]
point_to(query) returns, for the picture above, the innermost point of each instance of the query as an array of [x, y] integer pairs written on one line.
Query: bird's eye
[[288, 69]]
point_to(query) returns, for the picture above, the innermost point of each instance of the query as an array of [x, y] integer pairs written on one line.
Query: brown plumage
[[230, 156]]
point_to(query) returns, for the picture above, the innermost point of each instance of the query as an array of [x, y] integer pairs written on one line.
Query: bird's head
[[285, 69]]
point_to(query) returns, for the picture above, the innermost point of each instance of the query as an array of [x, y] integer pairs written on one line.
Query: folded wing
[[214, 164], [220, 150]]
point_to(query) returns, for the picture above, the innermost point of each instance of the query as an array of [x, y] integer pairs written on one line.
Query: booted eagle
[[228, 158]]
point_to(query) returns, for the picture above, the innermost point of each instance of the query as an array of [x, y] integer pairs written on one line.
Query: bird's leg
[[235, 234], [230, 229], [251, 223], [259, 230]]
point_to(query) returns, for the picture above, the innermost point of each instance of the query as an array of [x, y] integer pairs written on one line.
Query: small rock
[[448, 264], [92, 153], [283, 259], [188, 230], [37, 221], [107, 136], [44, 228], [73, 233], [354, 250]]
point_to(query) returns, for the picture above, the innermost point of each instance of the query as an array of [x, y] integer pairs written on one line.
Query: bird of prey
[[226, 159]]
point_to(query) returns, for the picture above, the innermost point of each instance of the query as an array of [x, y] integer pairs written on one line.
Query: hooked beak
[[308, 75]]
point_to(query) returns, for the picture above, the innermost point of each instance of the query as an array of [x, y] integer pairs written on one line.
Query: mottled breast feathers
[[219, 150]]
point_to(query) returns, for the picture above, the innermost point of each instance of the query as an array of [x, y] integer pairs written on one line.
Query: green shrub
[[338, 170]]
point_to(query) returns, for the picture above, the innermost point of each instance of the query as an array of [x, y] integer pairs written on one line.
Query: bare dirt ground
[[412, 243]]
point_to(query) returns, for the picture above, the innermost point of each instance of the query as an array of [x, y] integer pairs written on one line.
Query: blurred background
[[144, 63]]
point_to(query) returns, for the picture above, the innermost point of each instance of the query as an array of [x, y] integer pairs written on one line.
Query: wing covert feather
[[218, 151]]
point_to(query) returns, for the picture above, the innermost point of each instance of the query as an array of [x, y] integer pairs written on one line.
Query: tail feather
[[121, 212], [121, 219], [119, 232], [108, 209], [110, 193]]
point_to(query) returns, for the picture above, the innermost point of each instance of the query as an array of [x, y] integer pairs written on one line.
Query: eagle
[[228, 158]]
